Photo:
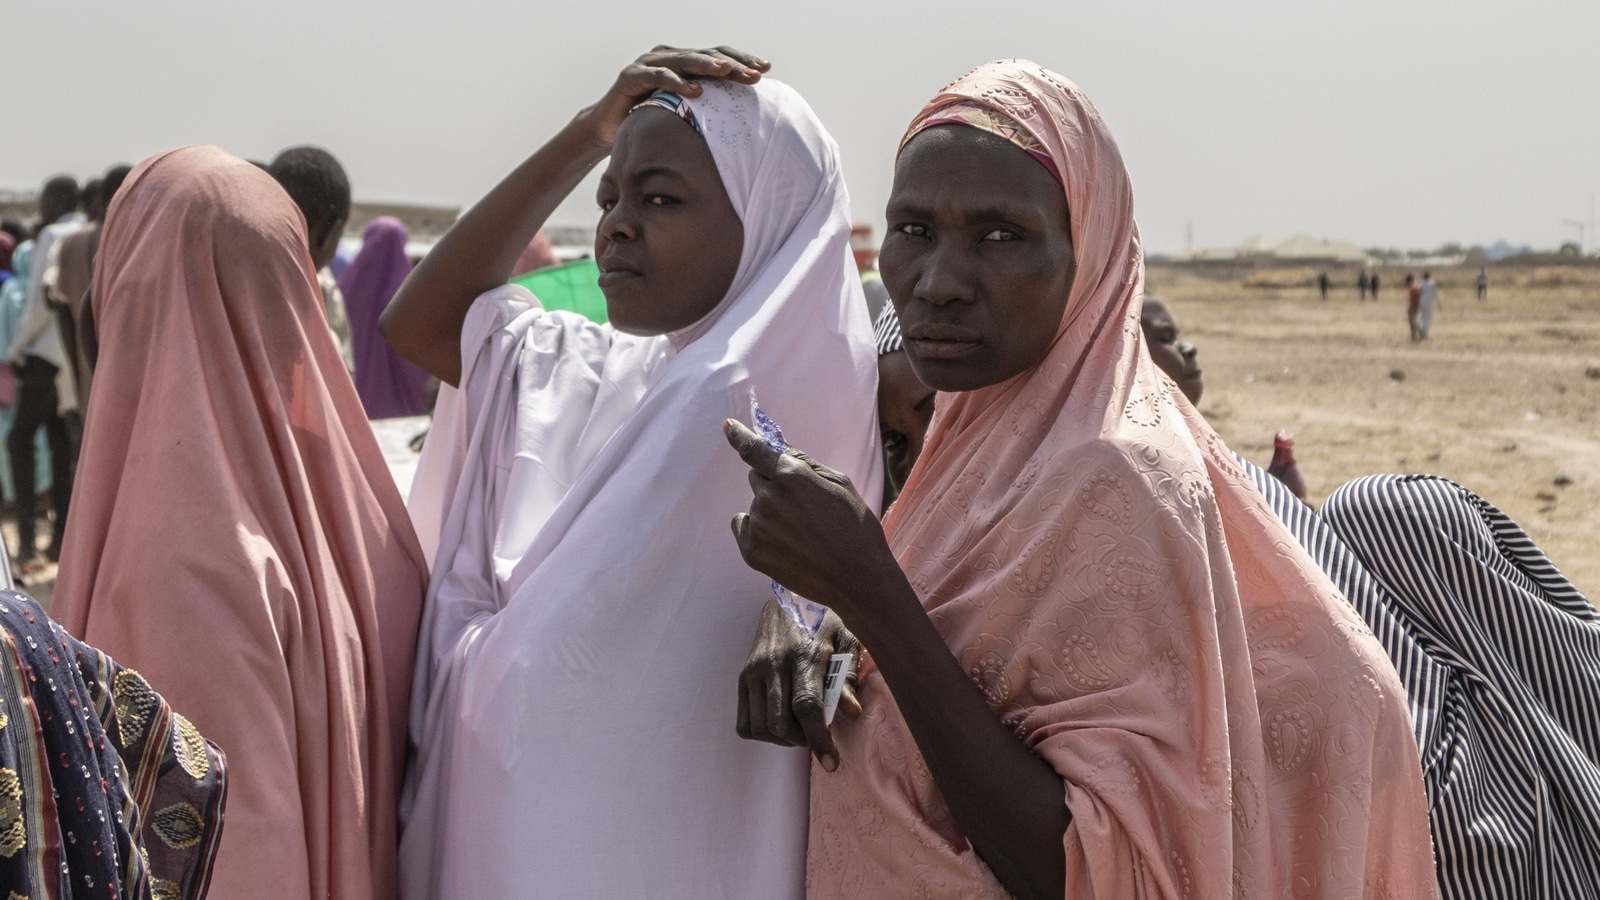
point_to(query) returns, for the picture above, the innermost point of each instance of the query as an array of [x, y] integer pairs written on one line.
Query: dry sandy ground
[[1498, 399]]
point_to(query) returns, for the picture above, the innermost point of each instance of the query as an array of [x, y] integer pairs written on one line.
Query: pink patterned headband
[[986, 118]]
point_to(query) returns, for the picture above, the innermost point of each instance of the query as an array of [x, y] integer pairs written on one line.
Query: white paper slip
[[833, 685]]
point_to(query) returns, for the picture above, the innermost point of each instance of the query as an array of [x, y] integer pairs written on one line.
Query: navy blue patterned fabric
[[92, 763]]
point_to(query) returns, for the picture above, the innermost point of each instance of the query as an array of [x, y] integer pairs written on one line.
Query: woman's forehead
[[956, 166], [653, 140], [956, 144]]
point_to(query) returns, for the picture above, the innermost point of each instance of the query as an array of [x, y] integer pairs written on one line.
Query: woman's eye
[[1001, 234], [894, 443], [912, 230], [660, 200], [607, 205]]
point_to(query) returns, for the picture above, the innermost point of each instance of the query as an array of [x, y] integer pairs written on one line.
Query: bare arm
[[423, 322], [1008, 801], [808, 529]]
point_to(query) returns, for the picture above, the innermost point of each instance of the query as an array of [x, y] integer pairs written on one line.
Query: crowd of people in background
[[1367, 284], [1422, 297], [1087, 650]]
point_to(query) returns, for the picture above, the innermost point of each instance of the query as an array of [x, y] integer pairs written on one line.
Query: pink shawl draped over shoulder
[[235, 534], [1224, 723]]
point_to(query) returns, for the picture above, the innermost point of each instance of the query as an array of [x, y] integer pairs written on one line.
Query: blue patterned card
[[805, 613]]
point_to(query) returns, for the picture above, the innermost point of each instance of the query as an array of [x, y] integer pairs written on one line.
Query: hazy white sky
[[1384, 123]]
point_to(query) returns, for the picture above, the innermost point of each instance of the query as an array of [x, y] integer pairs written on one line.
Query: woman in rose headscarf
[[389, 386], [238, 538], [1097, 665]]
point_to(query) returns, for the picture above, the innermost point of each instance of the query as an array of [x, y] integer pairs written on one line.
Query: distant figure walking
[[1361, 284], [1427, 301], [1413, 306], [1372, 285], [1322, 284], [1483, 283]]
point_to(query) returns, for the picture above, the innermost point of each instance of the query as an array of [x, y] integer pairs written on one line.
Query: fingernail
[[829, 764], [727, 426]]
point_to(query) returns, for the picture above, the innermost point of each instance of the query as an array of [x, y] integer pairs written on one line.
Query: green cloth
[[573, 286]]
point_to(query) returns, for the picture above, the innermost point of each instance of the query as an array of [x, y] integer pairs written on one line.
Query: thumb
[[756, 453], [849, 703]]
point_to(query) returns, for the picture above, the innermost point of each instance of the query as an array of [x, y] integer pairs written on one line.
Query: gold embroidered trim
[[16, 896], [13, 830], [190, 748], [135, 703], [162, 889], [179, 826]]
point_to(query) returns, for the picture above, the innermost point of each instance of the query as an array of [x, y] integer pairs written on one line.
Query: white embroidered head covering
[[578, 489]]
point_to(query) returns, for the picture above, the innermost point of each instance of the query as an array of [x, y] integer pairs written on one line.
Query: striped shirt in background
[[1501, 657], [886, 331]]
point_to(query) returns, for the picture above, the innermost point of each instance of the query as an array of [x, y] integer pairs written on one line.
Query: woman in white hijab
[[589, 616]]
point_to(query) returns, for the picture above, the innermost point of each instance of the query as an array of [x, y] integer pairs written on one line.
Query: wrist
[[585, 135], [885, 607]]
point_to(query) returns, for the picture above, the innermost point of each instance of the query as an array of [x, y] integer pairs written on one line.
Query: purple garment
[[389, 386], [342, 257]]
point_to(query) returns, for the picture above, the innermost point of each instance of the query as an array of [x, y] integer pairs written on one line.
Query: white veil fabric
[[573, 710]]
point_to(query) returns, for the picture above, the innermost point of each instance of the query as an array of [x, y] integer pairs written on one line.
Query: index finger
[[807, 681], [747, 68], [756, 453], [692, 63], [750, 61]]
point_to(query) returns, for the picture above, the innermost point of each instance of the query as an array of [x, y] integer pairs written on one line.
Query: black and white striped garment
[[1501, 657], [886, 331]]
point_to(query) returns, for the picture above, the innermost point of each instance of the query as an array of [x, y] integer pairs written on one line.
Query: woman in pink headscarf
[[237, 537], [1096, 664], [389, 386]]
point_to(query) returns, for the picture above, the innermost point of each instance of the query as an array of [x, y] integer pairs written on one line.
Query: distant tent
[[1300, 249], [1258, 245], [1503, 249], [1304, 247]]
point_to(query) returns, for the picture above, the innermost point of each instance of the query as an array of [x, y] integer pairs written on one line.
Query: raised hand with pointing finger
[[807, 528]]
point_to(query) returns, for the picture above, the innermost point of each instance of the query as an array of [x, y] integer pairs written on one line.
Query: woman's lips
[[941, 341], [928, 349], [610, 277]]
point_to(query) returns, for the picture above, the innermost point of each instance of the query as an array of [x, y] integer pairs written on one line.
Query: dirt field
[[1498, 399]]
